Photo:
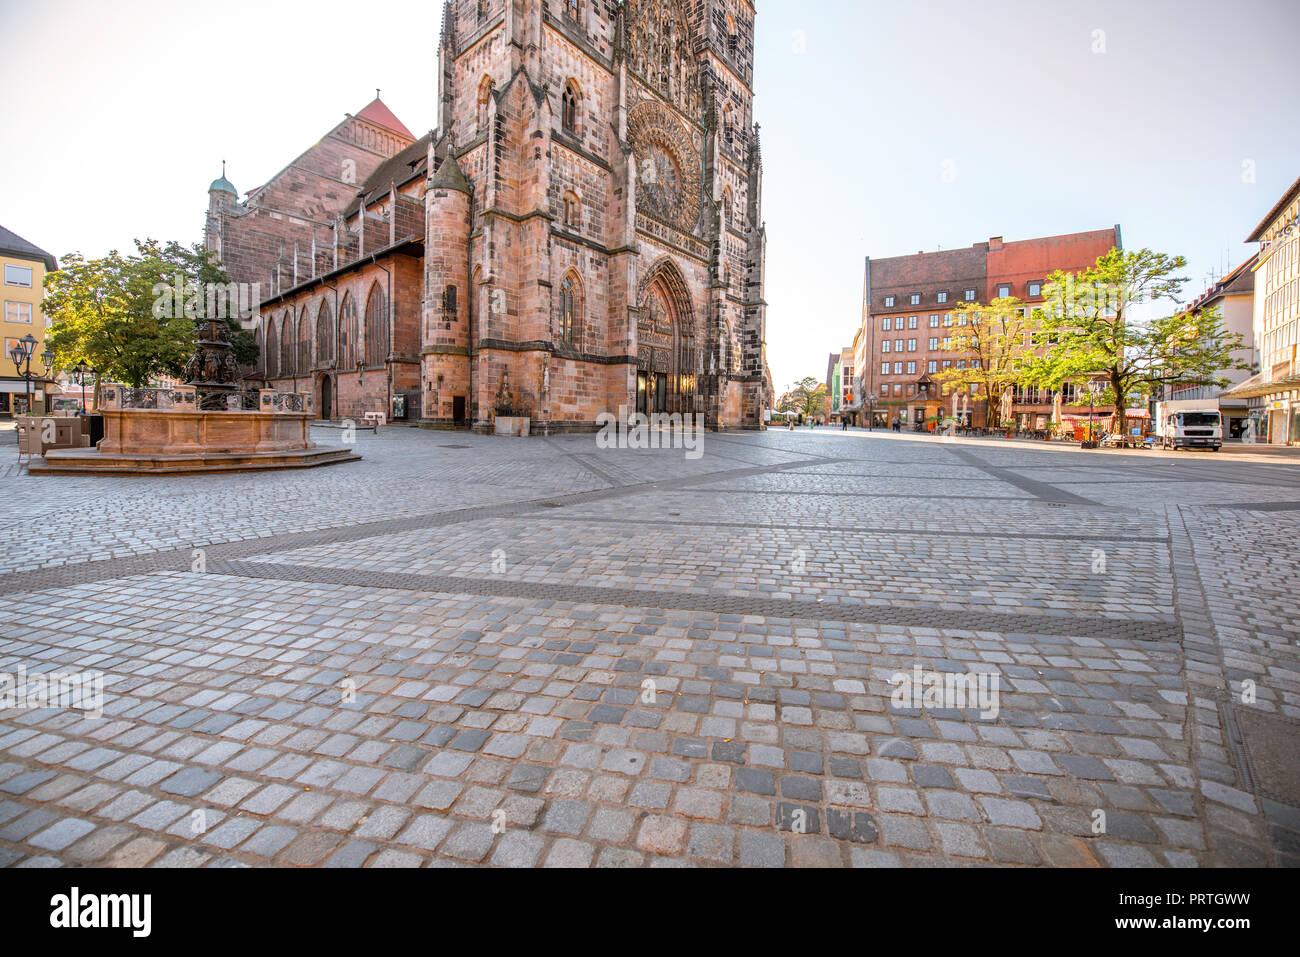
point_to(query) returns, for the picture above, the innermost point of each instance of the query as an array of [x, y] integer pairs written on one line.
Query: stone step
[[93, 462]]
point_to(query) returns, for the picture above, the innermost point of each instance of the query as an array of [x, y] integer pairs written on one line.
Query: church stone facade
[[581, 233]]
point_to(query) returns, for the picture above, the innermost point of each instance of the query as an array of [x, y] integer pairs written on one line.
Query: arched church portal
[[668, 373]]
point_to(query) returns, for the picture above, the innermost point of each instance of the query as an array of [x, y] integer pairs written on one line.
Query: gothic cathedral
[[591, 234]]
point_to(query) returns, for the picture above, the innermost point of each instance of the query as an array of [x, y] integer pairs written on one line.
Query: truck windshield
[[1199, 419]]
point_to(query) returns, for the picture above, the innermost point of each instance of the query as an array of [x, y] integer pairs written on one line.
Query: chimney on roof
[[995, 243]]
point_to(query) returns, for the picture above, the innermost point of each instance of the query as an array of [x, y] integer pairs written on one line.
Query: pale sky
[[117, 114]]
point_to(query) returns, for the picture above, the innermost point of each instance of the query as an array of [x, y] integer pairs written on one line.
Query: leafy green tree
[[133, 317], [809, 397], [996, 342], [1095, 333]]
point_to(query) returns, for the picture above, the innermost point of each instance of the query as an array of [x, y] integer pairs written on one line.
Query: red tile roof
[[381, 115]]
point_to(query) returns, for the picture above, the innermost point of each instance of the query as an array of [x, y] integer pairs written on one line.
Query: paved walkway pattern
[[503, 652]]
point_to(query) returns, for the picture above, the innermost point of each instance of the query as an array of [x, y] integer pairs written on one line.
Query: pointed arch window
[[303, 359], [324, 335], [570, 310], [571, 109], [376, 328], [272, 350], [286, 345], [348, 333], [732, 36]]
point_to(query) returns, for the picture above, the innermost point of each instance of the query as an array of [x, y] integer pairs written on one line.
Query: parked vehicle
[[1183, 428]]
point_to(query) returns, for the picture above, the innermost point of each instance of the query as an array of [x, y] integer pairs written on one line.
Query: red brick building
[[583, 230], [907, 316]]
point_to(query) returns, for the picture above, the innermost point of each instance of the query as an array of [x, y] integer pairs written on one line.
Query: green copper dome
[[223, 185]]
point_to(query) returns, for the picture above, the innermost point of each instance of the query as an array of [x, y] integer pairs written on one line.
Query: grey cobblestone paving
[[651, 680]]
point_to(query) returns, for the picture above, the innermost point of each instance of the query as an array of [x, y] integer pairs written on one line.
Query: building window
[[570, 306], [571, 9], [347, 333], [885, 346], [911, 368], [911, 322], [1004, 290], [571, 111], [934, 365], [970, 295], [18, 276], [324, 335], [450, 302], [916, 299], [303, 361], [947, 363], [961, 363], [943, 297], [934, 343], [18, 312], [934, 322], [376, 328], [287, 338], [1035, 290], [885, 325], [911, 345], [884, 368], [898, 345], [947, 342], [732, 35], [889, 301]]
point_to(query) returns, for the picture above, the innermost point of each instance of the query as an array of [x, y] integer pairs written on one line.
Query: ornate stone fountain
[[212, 370], [210, 424]]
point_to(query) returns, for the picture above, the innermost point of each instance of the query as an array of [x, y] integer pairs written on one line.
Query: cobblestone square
[[464, 651]]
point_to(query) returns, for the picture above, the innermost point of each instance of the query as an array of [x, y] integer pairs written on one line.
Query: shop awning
[[1256, 386]]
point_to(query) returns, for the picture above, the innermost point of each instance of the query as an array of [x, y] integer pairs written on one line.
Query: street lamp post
[[22, 354], [871, 411], [83, 372]]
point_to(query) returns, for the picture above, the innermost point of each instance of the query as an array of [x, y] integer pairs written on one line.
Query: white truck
[[1189, 425]]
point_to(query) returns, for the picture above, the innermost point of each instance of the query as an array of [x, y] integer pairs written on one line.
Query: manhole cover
[[1270, 745]]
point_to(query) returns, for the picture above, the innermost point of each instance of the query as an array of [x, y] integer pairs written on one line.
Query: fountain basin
[[172, 436]]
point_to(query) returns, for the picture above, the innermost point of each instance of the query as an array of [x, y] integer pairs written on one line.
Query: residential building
[[22, 289], [1277, 320], [839, 383], [581, 233], [908, 302], [1234, 297]]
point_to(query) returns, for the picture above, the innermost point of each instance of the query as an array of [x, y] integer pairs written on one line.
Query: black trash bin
[[96, 423]]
